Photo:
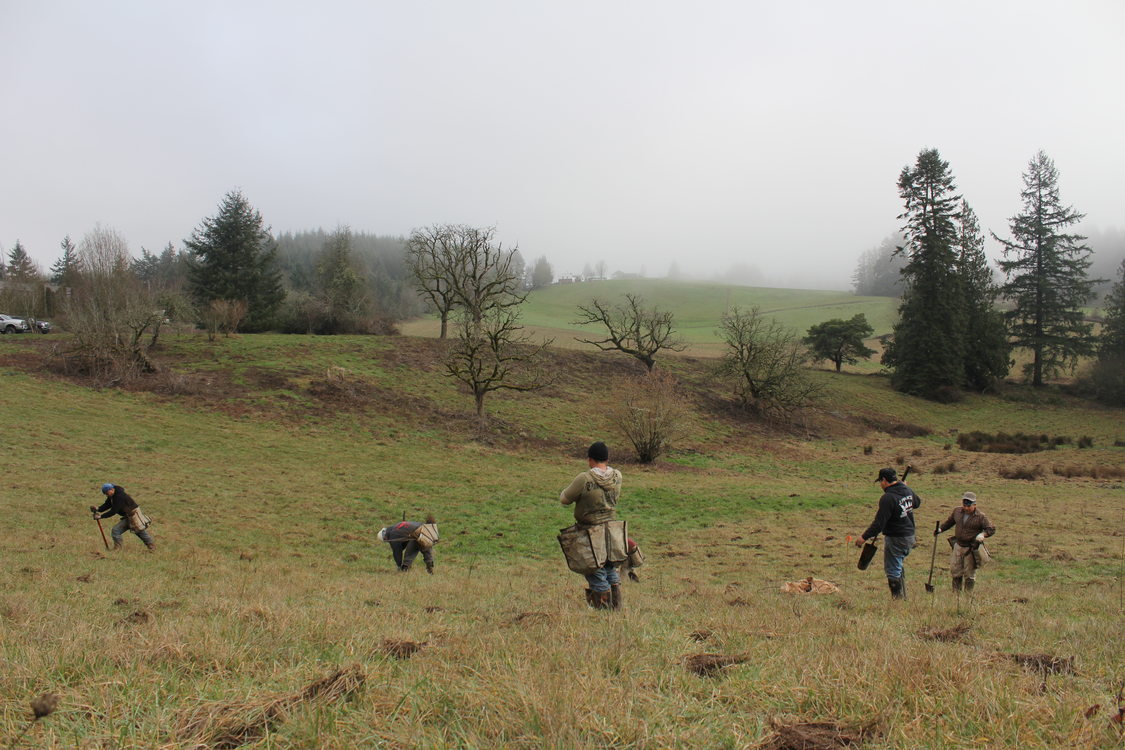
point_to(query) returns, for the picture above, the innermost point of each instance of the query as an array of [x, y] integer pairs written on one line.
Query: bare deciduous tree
[[223, 316], [650, 413], [110, 312], [634, 329], [767, 364], [492, 354], [457, 266]]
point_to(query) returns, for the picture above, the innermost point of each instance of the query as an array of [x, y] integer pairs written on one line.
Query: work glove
[[979, 538], [93, 509], [937, 530], [97, 516]]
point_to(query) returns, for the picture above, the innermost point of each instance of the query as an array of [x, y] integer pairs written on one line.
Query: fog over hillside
[[755, 143]]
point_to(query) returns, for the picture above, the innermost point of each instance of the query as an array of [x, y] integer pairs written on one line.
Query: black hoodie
[[895, 516]]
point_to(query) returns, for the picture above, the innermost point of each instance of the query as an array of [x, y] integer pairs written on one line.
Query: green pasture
[[269, 462]]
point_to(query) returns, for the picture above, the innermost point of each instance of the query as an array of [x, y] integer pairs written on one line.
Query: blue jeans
[[600, 580], [895, 550], [122, 526]]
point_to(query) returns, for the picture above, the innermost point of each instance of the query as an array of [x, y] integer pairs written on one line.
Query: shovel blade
[[929, 588]]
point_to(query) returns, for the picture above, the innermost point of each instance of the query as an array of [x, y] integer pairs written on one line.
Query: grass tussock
[[957, 633], [1026, 473], [1094, 472], [949, 467], [224, 725], [1045, 663]]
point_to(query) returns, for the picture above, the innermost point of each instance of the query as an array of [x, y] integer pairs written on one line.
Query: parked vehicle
[[43, 326], [8, 324]]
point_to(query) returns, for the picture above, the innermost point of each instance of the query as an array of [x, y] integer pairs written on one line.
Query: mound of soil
[[816, 735], [948, 635], [710, 665]]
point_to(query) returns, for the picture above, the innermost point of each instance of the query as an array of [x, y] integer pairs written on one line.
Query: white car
[[8, 324]]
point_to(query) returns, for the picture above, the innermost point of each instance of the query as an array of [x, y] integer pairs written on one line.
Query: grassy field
[[269, 462], [697, 307]]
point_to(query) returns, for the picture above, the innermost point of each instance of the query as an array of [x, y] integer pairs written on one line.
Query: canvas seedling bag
[[426, 535], [588, 548]]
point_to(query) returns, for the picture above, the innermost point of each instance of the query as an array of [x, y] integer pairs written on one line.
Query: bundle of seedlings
[[223, 725]]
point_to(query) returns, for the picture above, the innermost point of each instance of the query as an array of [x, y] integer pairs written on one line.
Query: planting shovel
[[933, 556], [867, 553], [106, 543]]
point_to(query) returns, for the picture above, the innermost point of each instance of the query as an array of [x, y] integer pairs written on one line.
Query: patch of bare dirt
[[139, 617], [712, 665], [401, 649], [1045, 664], [815, 735], [957, 633]]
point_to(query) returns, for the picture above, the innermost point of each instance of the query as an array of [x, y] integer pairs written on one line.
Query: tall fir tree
[[233, 257], [21, 267], [1111, 342], [1047, 283], [987, 351], [340, 286], [927, 352], [67, 268]]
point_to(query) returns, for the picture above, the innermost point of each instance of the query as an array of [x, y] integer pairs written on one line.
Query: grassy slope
[[697, 307], [267, 498]]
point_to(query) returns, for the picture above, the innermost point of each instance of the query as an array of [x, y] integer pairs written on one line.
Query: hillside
[[269, 462], [697, 307]]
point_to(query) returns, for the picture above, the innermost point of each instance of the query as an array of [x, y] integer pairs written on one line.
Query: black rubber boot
[[957, 583], [590, 601], [898, 588], [615, 600], [602, 600], [969, 583]]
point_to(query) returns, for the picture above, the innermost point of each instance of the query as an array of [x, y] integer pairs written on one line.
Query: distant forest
[[379, 259]]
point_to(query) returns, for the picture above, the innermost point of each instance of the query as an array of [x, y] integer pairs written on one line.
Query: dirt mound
[[401, 649], [815, 735], [1045, 663], [948, 635], [709, 665]]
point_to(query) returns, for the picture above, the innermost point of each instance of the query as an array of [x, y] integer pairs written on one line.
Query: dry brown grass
[[223, 725]]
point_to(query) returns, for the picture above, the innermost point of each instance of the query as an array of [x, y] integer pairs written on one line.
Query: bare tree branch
[[632, 329]]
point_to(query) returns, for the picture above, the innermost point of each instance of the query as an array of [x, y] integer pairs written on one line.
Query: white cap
[[383, 534], [970, 496]]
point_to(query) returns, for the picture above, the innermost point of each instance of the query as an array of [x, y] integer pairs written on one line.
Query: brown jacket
[[968, 525]]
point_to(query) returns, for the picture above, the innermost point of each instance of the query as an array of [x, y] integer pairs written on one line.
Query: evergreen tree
[[927, 353], [340, 287], [541, 274], [987, 351], [66, 269], [1047, 282], [1108, 373], [1111, 343], [840, 340], [233, 259], [21, 267]]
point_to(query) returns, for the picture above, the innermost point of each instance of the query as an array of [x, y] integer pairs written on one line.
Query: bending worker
[[118, 502]]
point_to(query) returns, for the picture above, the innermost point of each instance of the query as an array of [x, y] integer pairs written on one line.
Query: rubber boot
[[590, 602], [957, 583], [615, 600], [151, 546], [602, 600], [969, 583], [116, 545], [897, 587], [430, 568]]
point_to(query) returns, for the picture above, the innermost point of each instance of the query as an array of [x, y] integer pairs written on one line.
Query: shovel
[[95, 510], [933, 557]]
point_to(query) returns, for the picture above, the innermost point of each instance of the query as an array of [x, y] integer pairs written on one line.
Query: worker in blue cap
[[118, 502]]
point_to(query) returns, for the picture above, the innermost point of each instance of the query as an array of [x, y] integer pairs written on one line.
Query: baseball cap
[[970, 498], [889, 474], [107, 487]]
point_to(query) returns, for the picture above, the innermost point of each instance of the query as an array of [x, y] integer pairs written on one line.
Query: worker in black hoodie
[[895, 521]]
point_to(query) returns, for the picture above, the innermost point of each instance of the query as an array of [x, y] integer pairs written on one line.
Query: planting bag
[[981, 556], [426, 535], [138, 521], [588, 548]]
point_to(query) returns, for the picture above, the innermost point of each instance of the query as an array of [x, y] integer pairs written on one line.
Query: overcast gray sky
[[641, 133]]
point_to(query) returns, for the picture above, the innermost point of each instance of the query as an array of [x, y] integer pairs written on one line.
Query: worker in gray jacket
[[405, 544]]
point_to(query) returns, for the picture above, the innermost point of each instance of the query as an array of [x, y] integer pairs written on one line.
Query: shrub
[[1027, 473], [650, 413], [1002, 442], [1085, 442]]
